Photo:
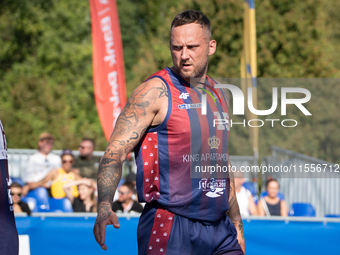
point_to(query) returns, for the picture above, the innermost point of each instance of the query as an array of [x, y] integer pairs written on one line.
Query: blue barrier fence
[[73, 235]]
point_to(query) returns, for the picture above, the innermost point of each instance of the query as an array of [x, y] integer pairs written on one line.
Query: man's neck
[[43, 153], [127, 203], [203, 76], [238, 189], [86, 157]]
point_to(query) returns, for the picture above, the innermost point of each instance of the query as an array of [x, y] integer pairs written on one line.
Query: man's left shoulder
[[54, 156]]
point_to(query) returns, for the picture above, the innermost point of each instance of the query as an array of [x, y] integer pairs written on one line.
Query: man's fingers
[[102, 231], [96, 233], [115, 221], [99, 229], [104, 247]]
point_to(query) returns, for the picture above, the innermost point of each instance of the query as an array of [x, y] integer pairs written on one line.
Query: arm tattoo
[[106, 161], [234, 211], [136, 107], [163, 91], [128, 131]]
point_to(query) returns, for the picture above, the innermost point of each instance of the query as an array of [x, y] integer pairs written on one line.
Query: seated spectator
[[131, 178], [18, 205], [272, 205], [86, 162], [58, 177], [125, 203], [87, 200], [42, 162], [245, 198]]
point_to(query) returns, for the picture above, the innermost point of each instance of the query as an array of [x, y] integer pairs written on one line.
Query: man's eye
[[192, 47]]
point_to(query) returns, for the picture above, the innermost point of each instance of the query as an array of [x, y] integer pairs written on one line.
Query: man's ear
[[212, 47]]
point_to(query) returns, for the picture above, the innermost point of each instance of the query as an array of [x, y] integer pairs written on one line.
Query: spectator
[[131, 178], [125, 203], [245, 198], [272, 205], [18, 205], [42, 162], [87, 200], [58, 177], [86, 162]]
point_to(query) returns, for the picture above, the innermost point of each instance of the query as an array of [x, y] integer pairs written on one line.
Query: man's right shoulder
[[35, 155], [150, 90]]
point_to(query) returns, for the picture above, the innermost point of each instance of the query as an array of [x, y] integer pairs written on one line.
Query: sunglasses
[[67, 161], [18, 194], [83, 147]]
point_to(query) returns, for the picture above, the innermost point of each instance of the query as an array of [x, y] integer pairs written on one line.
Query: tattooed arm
[[146, 106], [234, 213]]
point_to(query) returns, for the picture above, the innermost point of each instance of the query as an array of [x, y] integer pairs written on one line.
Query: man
[[86, 162], [18, 205], [244, 198], [9, 241], [42, 162], [182, 215], [125, 203]]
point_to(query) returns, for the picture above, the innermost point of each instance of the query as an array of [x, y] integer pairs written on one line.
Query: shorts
[[163, 232]]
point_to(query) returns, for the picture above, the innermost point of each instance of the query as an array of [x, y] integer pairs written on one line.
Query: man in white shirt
[[244, 198], [42, 162]]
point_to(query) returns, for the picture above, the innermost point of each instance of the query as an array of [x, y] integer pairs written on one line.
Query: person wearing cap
[[42, 162], [58, 177]]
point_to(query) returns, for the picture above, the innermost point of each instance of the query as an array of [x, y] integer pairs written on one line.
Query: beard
[[199, 69]]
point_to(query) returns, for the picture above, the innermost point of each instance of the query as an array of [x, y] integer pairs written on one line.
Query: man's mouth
[[185, 65]]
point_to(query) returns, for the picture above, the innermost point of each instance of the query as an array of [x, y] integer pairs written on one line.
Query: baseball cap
[[66, 152], [46, 136]]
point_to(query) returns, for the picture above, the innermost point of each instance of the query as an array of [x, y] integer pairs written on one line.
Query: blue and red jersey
[[173, 157]]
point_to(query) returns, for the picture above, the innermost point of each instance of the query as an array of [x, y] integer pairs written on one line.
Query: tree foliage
[[46, 65]]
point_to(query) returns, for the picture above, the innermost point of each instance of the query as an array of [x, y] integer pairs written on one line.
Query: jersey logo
[[184, 95], [214, 187], [189, 106], [214, 142]]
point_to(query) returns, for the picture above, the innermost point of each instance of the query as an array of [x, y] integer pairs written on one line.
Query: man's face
[[16, 194], [86, 148], [45, 146], [190, 49], [125, 194]]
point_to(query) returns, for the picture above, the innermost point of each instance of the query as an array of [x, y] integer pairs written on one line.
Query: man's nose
[[185, 53]]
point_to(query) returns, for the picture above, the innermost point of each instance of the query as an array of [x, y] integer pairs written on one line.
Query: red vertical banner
[[108, 63]]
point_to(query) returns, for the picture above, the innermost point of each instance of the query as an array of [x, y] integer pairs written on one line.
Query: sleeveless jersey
[[186, 142], [57, 189], [9, 243]]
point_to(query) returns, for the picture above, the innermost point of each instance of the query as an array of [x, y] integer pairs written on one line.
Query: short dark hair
[[191, 16], [15, 185], [129, 185], [90, 140]]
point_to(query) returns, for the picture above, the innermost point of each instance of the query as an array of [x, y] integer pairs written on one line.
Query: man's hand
[[105, 217], [25, 190]]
